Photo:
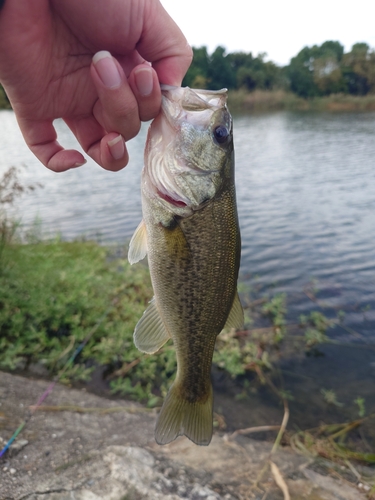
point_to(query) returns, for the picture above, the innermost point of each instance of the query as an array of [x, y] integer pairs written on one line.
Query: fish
[[190, 233]]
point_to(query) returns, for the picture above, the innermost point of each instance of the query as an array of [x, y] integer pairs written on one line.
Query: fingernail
[[79, 164], [144, 80], [117, 147], [107, 69]]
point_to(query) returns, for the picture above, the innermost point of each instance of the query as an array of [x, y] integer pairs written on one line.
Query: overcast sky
[[279, 27]]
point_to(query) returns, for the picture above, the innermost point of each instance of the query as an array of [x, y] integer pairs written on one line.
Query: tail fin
[[180, 417]]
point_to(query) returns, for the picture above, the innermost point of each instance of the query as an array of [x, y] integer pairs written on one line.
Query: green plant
[[276, 310], [330, 397], [52, 294], [360, 402], [316, 325]]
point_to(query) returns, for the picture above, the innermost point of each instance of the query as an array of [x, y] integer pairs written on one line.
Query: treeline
[[315, 71]]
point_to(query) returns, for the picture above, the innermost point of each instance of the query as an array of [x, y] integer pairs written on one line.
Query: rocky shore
[[85, 447]]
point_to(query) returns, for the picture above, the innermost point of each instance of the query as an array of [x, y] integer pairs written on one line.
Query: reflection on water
[[306, 199]]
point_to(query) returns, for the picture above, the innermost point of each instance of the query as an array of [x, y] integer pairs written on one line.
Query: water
[[306, 191], [306, 200]]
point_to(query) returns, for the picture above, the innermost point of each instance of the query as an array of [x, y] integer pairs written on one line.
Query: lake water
[[306, 200]]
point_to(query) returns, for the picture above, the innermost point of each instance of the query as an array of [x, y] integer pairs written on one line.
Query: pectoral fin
[[138, 244], [235, 319], [150, 333]]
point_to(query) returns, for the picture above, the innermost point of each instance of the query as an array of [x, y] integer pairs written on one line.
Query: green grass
[[52, 295]]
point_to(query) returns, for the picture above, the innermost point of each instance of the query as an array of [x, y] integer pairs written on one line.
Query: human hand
[[46, 50]]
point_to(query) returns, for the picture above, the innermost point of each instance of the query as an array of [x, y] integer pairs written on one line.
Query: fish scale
[[207, 267]]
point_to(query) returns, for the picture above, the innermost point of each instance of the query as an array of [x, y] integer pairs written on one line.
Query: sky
[[281, 28]]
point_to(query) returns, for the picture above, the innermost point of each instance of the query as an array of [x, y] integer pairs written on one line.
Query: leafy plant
[[276, 310], [330, 397], [360, 402]]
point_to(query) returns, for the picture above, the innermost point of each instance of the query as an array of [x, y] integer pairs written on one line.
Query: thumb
[[164, 45]]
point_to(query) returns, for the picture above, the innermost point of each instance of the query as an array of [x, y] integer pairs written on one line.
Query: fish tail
[[181, 417]]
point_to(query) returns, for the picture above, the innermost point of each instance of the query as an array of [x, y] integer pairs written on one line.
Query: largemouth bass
[[191, 235]]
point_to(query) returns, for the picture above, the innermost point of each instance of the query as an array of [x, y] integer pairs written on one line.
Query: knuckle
[[130, 128]]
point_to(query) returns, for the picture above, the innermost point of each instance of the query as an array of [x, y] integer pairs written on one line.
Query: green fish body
[[191, 234]]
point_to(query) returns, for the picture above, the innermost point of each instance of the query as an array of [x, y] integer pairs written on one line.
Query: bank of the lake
[[87, 447], [54, 295], [277, 100], [280, 100]]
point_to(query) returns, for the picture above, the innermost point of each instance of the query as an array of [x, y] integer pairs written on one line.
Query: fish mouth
[[194, 99], [194, 105], [172, 201]]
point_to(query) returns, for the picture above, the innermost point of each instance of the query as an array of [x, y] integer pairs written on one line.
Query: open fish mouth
[[194, 99], [169, 199]]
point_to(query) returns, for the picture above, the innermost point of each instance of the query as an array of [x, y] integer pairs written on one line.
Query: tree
[[197, 75], [220, 71], [253, 72], [359, 69], [316, 70], [300, 73]]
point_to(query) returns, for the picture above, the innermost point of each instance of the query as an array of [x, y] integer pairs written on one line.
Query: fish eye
[[221, 134]]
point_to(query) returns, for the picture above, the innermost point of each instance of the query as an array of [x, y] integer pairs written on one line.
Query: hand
[[46, 50]]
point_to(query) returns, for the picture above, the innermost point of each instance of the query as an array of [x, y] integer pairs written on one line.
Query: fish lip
[[190, 100], [165, 88], [170, 200], [181, 204]]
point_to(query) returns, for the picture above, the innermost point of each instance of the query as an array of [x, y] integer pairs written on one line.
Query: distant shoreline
[[278, 100]]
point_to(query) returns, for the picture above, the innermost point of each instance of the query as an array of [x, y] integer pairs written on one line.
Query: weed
[[330, 397], [53, 294], [329, 441], [276, 310], [360, 402]]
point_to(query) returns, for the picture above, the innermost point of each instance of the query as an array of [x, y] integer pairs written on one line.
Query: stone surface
[[93, 455]]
